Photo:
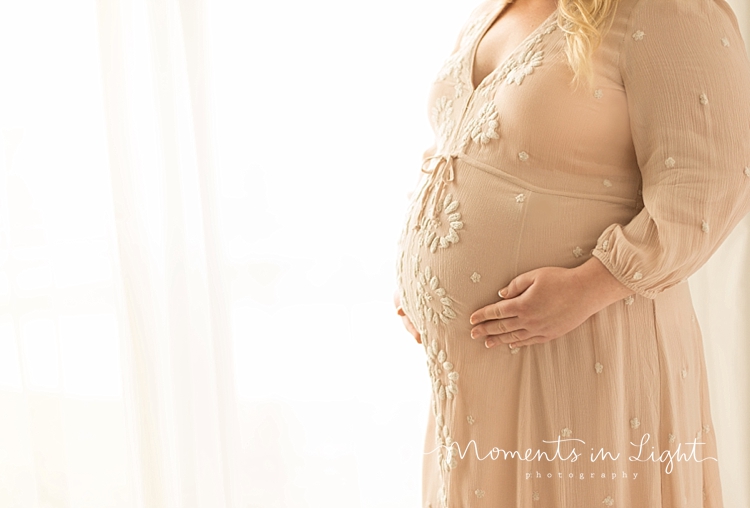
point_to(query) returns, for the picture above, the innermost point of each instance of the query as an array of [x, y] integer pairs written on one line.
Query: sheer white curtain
[[199, 203]]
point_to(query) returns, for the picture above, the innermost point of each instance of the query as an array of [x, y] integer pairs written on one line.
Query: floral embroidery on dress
[[725, 41], [703, 99], [455, 65], [638, 35], [671, 438], [566, 432], [524, 67], [629, 300], [484, 126], [747, 171], [684, 373], [609, 501], [598, 93], [598, 367], [635, 423], [637, 276], [433, 303], [475, 277], [470, 419], [523, 156], [445, 386], [518, 65], [520, 198], [578, 251], [428, 235], [444, 125], [704, 226], [607, 183], [669, 162], [535, 495]]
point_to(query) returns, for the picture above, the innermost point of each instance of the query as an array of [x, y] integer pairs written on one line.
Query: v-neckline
[[480, 36]]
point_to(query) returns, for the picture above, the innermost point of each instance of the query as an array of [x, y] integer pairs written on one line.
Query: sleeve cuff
[[603, 256]]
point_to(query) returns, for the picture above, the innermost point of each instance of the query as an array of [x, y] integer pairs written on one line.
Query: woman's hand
[[407, 322], [543, 304]]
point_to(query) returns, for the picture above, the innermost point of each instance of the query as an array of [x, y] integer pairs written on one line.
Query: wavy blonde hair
[[584, 22]]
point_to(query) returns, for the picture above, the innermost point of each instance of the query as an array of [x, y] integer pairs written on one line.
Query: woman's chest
[[505, 33], [526, 112]]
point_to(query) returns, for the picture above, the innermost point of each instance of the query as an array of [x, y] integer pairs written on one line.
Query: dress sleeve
[[686, 76]]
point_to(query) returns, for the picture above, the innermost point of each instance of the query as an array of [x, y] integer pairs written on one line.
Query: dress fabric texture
[[648, 171]]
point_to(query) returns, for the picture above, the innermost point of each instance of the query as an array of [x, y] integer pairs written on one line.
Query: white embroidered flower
[[725, 41], [523, 156], [706, 429], [566, 432], [578, 251], [479, 493], [684, 373], [433, 303], [598, 93], [607, 183], [516, 67], [442, 121], [598, 367], [452, 68], [514, 350], [671, 438], [483, 128], [704, 226], [520, 198], [747, 171], [470, 419], [608, 501], [535, 495], [524, 67], [704, 99], [669, 162], [444, 378], [475, 277], [637, 276], [446, 212], [629, 300], [638, 35], [605, 245], [635, 423]]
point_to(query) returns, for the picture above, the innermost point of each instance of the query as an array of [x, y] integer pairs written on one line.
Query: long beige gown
[[649, 172]]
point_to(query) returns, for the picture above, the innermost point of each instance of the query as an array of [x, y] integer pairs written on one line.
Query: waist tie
[[440, 173]]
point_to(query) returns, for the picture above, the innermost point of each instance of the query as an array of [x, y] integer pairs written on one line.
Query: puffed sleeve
[[686, 76]]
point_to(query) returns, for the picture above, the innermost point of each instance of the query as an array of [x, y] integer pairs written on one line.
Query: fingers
[[496, 327], [504, 341], [500, 310], [514, 337]]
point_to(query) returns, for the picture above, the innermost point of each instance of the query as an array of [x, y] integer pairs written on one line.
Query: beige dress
[[649, 172]]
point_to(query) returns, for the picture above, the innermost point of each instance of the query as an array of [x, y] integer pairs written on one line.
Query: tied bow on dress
[[439, 174]]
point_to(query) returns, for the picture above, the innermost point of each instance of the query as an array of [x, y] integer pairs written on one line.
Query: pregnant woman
[[589, 157]]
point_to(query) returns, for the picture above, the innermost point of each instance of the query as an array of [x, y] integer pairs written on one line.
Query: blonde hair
[[584, 23]]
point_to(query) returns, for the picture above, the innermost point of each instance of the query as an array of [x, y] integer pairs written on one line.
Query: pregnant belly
[[487, 228]]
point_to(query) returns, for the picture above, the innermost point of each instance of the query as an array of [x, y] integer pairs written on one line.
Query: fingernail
[[503, 292], [488, 344]]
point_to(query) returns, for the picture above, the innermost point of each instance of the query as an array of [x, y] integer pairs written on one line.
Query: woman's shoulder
[[681, 14]]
